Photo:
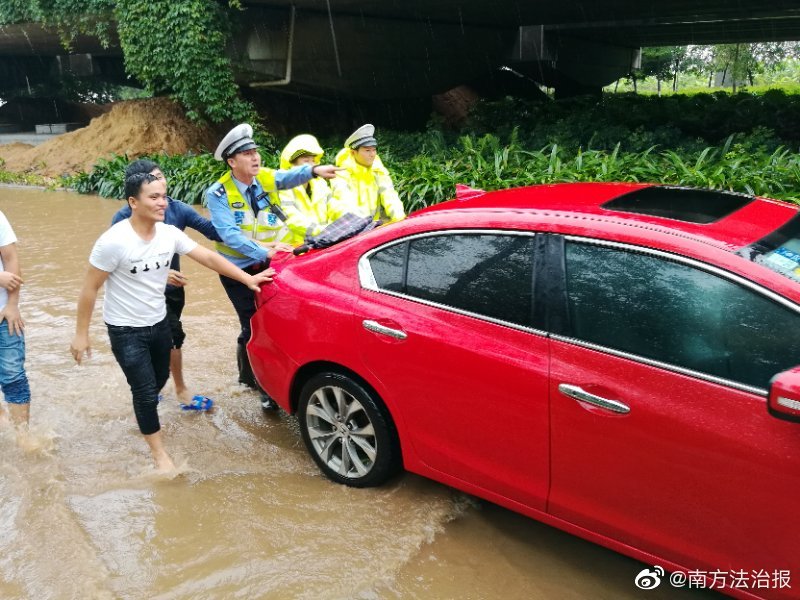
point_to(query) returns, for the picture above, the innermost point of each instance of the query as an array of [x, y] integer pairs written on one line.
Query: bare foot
[[27, 441], [19, 413], [184, 395], [164, 463]]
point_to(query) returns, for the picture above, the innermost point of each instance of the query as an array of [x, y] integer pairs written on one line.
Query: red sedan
[[618, 361]]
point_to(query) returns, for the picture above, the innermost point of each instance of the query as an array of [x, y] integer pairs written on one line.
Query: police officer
[[365, 187], [249, 230], [308, 207]]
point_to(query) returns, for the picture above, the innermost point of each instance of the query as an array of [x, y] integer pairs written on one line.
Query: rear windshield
[[680, 204], [780, 250]]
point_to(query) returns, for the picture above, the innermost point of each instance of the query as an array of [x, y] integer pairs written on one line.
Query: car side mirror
[[784, 395]]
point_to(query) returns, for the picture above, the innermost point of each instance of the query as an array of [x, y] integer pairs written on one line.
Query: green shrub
[[745, 143]]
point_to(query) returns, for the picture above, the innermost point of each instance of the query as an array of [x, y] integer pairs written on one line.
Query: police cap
[[363, 136], [238, 139]]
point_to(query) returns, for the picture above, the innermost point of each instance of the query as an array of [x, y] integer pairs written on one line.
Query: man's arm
[[191, 218], [295, 176], [215, 262], [86, 300], [11, 310], [388, 197]]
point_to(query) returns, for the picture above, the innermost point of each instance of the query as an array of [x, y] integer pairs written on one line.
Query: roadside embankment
[[132, 128]]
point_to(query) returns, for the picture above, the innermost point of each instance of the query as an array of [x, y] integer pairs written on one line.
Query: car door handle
[[577, 393], [376, 327]]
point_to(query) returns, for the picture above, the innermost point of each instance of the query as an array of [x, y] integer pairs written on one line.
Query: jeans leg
[[161, 343], [13, 380], [131, 348]]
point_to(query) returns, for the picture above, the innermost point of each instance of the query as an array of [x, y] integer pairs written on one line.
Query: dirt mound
[[134, 127]]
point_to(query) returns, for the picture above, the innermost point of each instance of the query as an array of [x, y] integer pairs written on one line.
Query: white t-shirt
[[6, 237], [138, 272]]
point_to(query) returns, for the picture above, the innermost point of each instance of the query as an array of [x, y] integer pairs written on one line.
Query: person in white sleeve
[[13, 379]]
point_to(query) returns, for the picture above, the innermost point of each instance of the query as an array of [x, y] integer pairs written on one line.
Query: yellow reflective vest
[[308, 207], [366, 191], [308, 213], [264, 228]]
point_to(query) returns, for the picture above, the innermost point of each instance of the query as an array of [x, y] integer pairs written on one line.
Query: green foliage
[[484, 162], [744, 143], [69, 17], [175, 47], [684, 122], [179, 47], [188, 176], [27, 179]]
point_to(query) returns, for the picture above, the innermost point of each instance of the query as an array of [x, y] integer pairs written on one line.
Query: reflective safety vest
[[266, 227], [365, 191], [307, 215]]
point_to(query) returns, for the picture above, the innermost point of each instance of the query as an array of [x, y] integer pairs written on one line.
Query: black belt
[[256, 268]]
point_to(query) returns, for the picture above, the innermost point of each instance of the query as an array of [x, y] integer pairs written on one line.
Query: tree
[[666, 63], [741, 62], [656, 62]]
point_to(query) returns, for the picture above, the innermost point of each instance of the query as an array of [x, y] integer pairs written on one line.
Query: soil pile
[[134, 128]]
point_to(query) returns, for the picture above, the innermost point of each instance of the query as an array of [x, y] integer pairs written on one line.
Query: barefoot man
[[180, 215], [132, 259]]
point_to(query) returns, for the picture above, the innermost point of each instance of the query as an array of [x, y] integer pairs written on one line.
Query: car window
[[387, 267], [486, 274], [779, 251], [678, 314]]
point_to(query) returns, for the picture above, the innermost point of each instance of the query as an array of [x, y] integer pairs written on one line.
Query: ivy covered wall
[[174, 47]]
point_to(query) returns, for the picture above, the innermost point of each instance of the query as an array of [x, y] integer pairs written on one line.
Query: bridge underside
[[414, 48]]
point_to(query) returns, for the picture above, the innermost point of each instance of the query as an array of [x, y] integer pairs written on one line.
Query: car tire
[[347, 431]]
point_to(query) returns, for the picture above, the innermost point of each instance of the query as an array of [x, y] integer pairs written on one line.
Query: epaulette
[[219, 191]]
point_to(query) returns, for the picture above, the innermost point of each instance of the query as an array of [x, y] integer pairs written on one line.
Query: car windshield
[[779, 251]]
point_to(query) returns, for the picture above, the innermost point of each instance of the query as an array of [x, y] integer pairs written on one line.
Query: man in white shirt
[[13, 378], [133, 258]]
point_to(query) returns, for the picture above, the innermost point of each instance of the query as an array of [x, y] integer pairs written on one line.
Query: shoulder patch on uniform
[[219, 190]]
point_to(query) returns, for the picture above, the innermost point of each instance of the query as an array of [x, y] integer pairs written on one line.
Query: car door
[[446, 327], [660, 434]]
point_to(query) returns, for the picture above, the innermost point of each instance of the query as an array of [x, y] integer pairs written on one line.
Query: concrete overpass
[[392, 49]]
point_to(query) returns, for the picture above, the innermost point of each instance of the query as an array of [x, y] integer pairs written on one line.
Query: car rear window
[[780, 250], [681, 204]]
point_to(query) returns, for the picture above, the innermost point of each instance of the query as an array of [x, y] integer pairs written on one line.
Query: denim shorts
[[13, 380]]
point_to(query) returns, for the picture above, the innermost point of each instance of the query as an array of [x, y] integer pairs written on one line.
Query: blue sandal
[[200, 403]]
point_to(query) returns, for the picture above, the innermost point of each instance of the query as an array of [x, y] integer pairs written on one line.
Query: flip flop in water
[[200, 403]]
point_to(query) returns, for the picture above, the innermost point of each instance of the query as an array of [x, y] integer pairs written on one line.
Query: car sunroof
[[680, 204]]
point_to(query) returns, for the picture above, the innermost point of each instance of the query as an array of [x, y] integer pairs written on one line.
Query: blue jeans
[[13, 380], [143, 353]]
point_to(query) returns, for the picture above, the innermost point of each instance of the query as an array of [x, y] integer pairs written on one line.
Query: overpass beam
[[571, 65]]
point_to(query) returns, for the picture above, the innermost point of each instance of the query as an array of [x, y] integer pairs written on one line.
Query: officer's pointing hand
[[326, 171]]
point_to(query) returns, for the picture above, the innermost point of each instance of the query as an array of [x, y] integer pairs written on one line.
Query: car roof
[[732, 222]]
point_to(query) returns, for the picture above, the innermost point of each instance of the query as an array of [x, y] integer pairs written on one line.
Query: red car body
[[692, 473]]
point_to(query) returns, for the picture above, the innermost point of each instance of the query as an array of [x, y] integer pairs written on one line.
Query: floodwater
[[83, 515]]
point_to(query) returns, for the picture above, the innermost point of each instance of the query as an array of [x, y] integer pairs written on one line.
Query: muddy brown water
[[82, 515]]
